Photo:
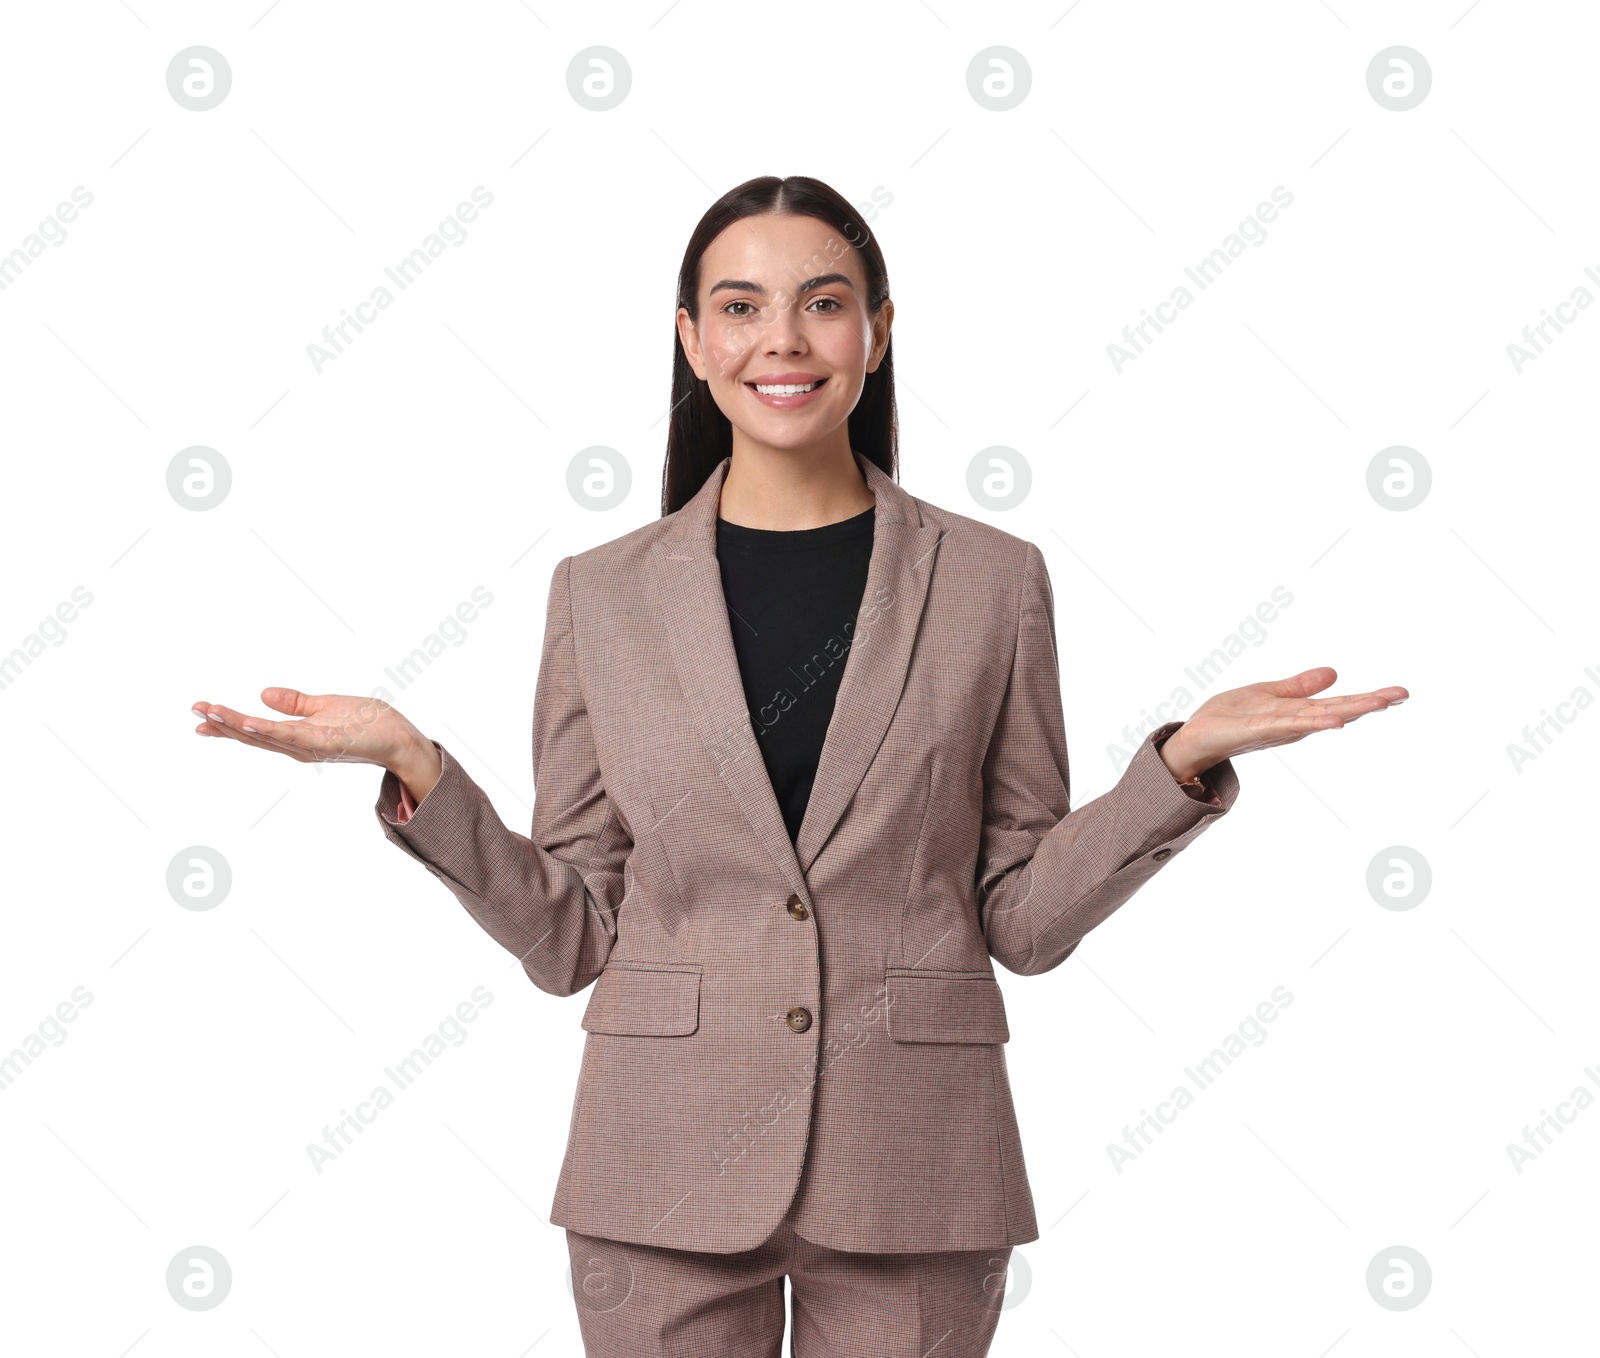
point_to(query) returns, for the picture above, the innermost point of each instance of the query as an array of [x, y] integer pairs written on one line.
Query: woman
[[800, 775]]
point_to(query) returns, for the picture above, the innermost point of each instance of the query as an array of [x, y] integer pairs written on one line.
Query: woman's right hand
[[332, 728]]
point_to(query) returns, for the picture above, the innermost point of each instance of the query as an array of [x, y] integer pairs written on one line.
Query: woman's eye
[[833, 305]]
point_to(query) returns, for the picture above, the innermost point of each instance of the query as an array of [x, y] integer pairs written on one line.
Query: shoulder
[[604, 592], [977, 558], [973, 538], [620, 561], [629, 551]]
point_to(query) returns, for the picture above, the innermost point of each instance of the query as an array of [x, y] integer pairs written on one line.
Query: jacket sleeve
[[1046, 874], [550, 897]]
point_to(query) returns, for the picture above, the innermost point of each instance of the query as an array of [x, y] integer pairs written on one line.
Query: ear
[[881, 324], [689, 337]]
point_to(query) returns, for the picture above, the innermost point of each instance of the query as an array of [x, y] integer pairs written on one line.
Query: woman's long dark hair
[[700, 435]]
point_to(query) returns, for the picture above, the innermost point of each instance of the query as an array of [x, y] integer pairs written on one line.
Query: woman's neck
[[793, 489]]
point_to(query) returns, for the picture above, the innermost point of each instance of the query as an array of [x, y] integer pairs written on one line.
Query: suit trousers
[[649, 1301]]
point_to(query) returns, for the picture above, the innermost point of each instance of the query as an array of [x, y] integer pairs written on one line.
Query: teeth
[[785, 390]]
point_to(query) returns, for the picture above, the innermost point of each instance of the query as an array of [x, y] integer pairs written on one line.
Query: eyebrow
[[744, 285]]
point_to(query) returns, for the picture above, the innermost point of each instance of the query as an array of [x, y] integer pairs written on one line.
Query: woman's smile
[[785, 391]]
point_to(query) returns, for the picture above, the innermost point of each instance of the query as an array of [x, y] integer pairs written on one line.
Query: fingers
[[229, 716], [220, 732], [325, 744], [302, 740], [290, 700], [1374, 707], [1357, 704], [1324, 714], [1330, 718], [278, 734], [1302, 685], [241, 724], [1386, 697], [217, 725]]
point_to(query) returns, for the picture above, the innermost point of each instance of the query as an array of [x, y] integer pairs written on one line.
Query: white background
[[370, 499]]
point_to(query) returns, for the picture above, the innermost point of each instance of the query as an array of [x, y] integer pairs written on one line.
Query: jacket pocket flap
[[945, 1006], [647, 1001]]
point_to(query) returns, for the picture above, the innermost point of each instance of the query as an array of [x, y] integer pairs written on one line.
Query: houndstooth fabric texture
[[642, 1301], [811, 1025]]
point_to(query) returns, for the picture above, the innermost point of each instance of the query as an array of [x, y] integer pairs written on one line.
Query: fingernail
[[244, 727], [198, 712], [216, 716], [1397, 702]]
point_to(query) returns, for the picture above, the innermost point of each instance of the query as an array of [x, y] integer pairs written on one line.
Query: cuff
[[1173, 811], [1211, 780], [396, 806]]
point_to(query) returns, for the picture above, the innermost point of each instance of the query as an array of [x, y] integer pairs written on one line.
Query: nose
[[781, 334]]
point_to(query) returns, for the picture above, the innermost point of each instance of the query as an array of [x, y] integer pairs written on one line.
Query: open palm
[[1275, 712], [330, 727]]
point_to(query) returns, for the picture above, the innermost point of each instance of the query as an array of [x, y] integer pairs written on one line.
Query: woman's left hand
[[1278, 712]]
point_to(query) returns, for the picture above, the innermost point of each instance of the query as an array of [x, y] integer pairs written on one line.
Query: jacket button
[[1161, 854], [799, 1019], [797, 907]]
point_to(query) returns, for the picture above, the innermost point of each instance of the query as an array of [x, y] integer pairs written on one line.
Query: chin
[[785, 441]]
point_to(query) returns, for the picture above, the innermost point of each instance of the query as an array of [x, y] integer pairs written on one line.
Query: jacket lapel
[[880, 653], [686, 582]]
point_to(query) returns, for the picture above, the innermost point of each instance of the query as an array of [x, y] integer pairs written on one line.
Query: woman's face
[[783, 302]]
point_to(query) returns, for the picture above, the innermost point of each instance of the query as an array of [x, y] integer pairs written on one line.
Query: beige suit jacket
[[815, 1026]]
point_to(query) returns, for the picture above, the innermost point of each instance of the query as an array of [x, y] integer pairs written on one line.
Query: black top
[[792, 601]]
